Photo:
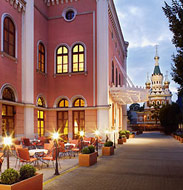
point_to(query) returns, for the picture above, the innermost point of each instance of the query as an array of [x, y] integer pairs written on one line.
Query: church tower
[[159, 93]]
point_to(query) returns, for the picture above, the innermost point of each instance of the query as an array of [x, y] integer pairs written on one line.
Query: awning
[[128, 95]]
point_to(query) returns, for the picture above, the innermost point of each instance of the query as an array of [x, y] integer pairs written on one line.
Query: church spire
[[156, 57], [156, 68]]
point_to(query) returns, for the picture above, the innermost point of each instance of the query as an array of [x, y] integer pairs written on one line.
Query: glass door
[[78, 123], [8, 120]]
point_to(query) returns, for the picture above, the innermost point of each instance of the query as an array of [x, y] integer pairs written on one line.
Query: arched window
[[41, 102], [8, 94], [112, 72], [40, 118], [119, 79], [41, 61], [63, 103], [9, 37], [78, 58], [116, 77], [79, 103], [62, 60]]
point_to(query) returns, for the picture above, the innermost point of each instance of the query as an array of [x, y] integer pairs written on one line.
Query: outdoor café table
[[37, 152], [33, 152], [68, 147], [69, 144]]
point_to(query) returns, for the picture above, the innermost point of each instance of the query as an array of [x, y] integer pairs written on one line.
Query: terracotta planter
[[34, 183], [127, 136], [107, 151], [87, 159], [132, 136], [124, 140], [120, 141], [181, 140]]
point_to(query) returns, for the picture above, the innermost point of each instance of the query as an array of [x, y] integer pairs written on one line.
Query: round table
[[37, 151]]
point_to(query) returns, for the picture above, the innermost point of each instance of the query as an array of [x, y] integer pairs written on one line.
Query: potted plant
[[127, 134], [108, 149], [88, 156], [120, 140], [181, 138], [124, 138], [23, 180], [132, 135]]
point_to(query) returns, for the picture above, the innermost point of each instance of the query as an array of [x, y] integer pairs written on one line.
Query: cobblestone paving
[[151, 161]]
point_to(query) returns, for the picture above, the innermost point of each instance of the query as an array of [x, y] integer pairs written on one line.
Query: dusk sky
[[144, 25]]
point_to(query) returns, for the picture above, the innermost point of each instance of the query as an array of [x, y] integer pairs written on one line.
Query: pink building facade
[[58, 60]]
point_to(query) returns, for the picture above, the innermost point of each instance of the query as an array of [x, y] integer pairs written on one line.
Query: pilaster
[[28, 68]]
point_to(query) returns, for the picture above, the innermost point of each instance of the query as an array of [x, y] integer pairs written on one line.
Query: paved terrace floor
[[151, 161]]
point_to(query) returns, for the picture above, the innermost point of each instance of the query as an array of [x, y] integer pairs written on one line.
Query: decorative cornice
[[57, 2], [115, 22], [20, 5]]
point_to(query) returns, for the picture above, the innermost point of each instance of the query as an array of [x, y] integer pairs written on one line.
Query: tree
[[174, 13], [155, 111], [170, 117]]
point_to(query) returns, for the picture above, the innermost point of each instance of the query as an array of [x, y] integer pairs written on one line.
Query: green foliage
[[123, 136], [108, 144], [170, 117], [27, 171], [91, 148], [122, 132], [85, 150], [155, 111], [174, 13], [127, 132], [9, 176]]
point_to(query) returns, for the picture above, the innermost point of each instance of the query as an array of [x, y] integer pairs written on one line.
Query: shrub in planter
[[10, 179], [108, 144], [27, 171], [132, 135], [85, 150], [122, 132], [91, 148], [108, 149], [124, 138], [127, 134], [10, 176], [88, 156]]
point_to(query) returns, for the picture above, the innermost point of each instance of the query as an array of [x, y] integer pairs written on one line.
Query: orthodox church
[[158, 93]]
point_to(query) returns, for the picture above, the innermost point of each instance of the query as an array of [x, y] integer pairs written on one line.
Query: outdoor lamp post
[[114, 139], [81, 133], [55, 137], [7, 141], [107, 137], [97, 134]]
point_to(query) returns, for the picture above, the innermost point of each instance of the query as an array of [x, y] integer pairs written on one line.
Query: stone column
[[28, 68]]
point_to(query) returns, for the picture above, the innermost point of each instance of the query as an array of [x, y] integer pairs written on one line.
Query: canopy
[[128, 95]]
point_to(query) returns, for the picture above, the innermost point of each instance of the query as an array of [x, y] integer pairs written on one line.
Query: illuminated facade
[[58, 60]]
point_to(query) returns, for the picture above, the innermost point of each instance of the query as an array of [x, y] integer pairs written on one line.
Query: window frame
[[78, 53], [13, 98], [79, 112], [80, 99], [9, 32], [116, 77], [39, 68], [62, 57], [39, 120], [112, 72], [63, 119], [63, 99], [119, 79], [66, 11]]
